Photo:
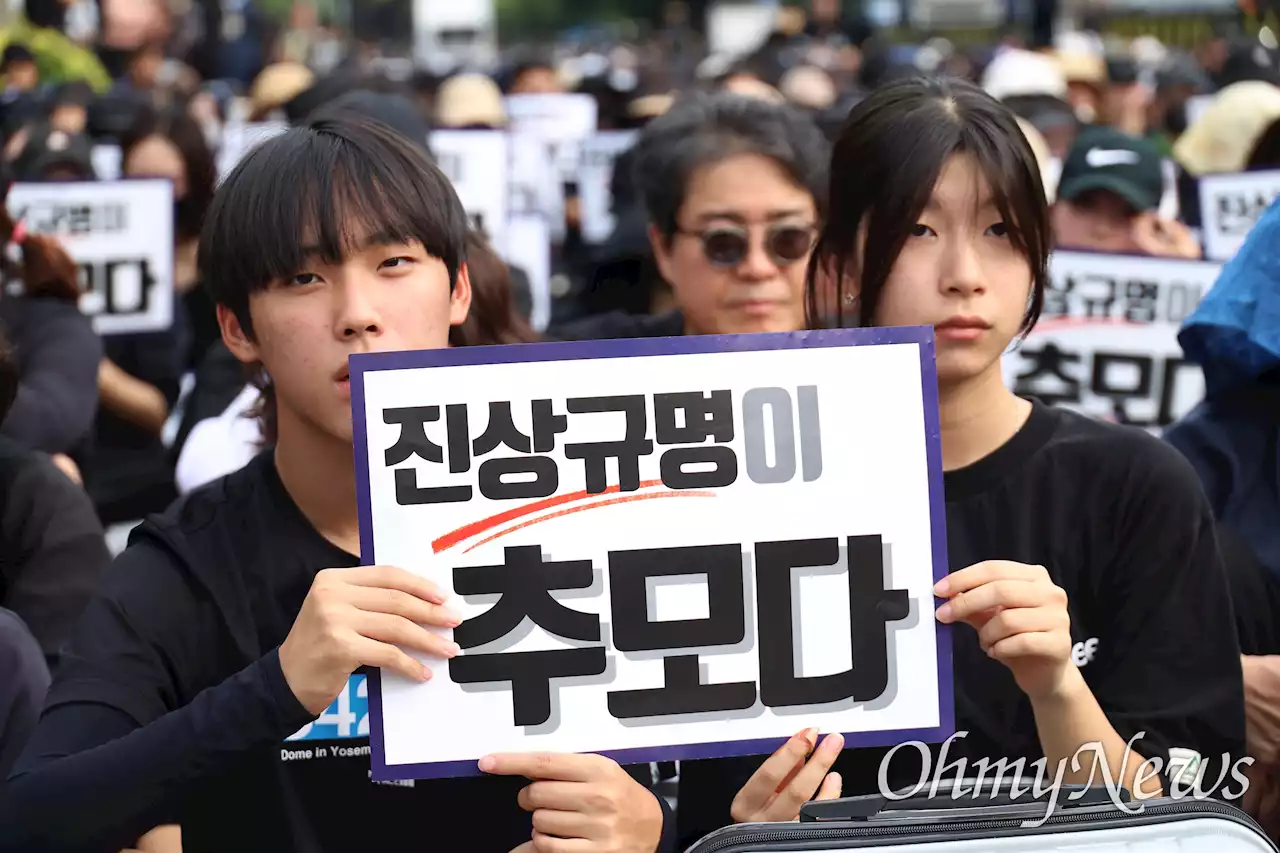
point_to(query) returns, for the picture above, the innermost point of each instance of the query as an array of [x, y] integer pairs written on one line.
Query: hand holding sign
[[357, 617], [789, 778], [582, 804], [1021, 618]]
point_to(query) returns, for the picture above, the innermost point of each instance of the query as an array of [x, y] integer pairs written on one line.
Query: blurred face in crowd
[[1097, 220], [537, 81], [157, 157], [960, 273], [22, 76], [69, 118], [738, 260]]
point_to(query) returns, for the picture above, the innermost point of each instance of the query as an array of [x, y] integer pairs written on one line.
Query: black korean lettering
[[871, 608], [1170, 402], [1098, 296], [725, 624], [1122, 378], [627, 451], [1051, 362], [1057, 297], [113, 218], [1141, 301], [111, 275], [1181, 301], [1237, 214], [79, 219], [534, 476], [708, 416], [524, 583], [530, 675], [413, 441]]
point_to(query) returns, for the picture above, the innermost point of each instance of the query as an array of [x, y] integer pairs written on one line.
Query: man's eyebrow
[[382, 238], [733, 216]]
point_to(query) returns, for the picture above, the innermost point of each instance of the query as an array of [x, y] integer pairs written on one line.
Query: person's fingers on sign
[[581, 803], [797, 773], [361, 617], [1021, 618]]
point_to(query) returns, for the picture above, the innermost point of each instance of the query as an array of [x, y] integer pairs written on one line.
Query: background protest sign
[[121, 235], [1107, 341], [663, 549], [1230, 205], [595, 175], [475, 161]]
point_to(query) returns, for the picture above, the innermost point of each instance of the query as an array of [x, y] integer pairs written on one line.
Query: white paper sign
[[106, 161], [239, 138], [1230, 205], [528, 246], [475, 162], [595, 174], [663, 549], [536, 187], [1107, 341], [121, 235]]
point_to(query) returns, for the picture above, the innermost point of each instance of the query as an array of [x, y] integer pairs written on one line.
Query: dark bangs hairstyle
[[705, 128], [325, 189], [884, 166]]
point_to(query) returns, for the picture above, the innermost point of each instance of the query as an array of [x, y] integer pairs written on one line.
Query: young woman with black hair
[[1086, 589]]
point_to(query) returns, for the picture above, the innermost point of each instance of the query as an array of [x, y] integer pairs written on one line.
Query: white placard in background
[[475, 162], [1107, 341], [701, 620], [121, 235], [1230, 205], [106, 161], [528, 246], [238, 139], [600, 152]]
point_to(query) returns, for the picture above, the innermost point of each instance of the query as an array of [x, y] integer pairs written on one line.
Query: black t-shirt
[[1120, 521], [189, 618]]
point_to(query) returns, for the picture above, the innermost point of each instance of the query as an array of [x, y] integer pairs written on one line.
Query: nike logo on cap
[[1100, 158]]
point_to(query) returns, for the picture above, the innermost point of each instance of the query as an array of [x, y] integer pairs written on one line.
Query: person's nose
[[757, 265], [962, 274], [356, 314]]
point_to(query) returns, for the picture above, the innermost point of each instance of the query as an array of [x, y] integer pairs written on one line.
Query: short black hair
[[708, 127], [14, 53], [884, 166], [325, 187]]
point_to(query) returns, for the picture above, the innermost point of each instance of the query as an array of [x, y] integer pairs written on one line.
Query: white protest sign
[[606, 517], [475, 162], [106, 161], [120, 233], [1230, 205], [595, 175], [1107, 341], [535, 186], [239, 138], [528, 246], [565, 120]]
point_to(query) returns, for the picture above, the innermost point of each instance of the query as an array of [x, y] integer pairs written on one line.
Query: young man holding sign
[[215, 681]]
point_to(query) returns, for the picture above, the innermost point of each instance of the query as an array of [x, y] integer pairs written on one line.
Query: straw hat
[[1223, 136], [465, 100], [277, 85]]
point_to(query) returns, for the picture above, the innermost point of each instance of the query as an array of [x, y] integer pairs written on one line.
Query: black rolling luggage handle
[[855, 823]]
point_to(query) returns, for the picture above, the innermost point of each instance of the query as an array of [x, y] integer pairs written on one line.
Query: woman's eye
[[304, 278], [1000, 229], [921, 230]]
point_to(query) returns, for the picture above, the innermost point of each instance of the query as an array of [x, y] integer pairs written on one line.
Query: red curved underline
[[475, 528], [570, 510]]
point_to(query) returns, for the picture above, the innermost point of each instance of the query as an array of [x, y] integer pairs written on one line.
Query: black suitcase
[[1082, 819]]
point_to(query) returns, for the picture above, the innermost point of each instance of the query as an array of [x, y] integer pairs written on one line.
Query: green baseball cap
[[1103, 158]]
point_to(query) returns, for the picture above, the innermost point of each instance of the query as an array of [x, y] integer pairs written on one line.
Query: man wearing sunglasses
[[734, 188]]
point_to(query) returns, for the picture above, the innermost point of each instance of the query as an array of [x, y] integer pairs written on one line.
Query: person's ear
[[460, 298], [661, 246], [235, 337]]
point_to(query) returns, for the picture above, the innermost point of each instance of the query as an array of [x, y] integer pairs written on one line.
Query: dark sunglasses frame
[[773, 243]]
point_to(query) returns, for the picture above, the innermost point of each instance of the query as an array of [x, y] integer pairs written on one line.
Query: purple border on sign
[[922, 336]]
